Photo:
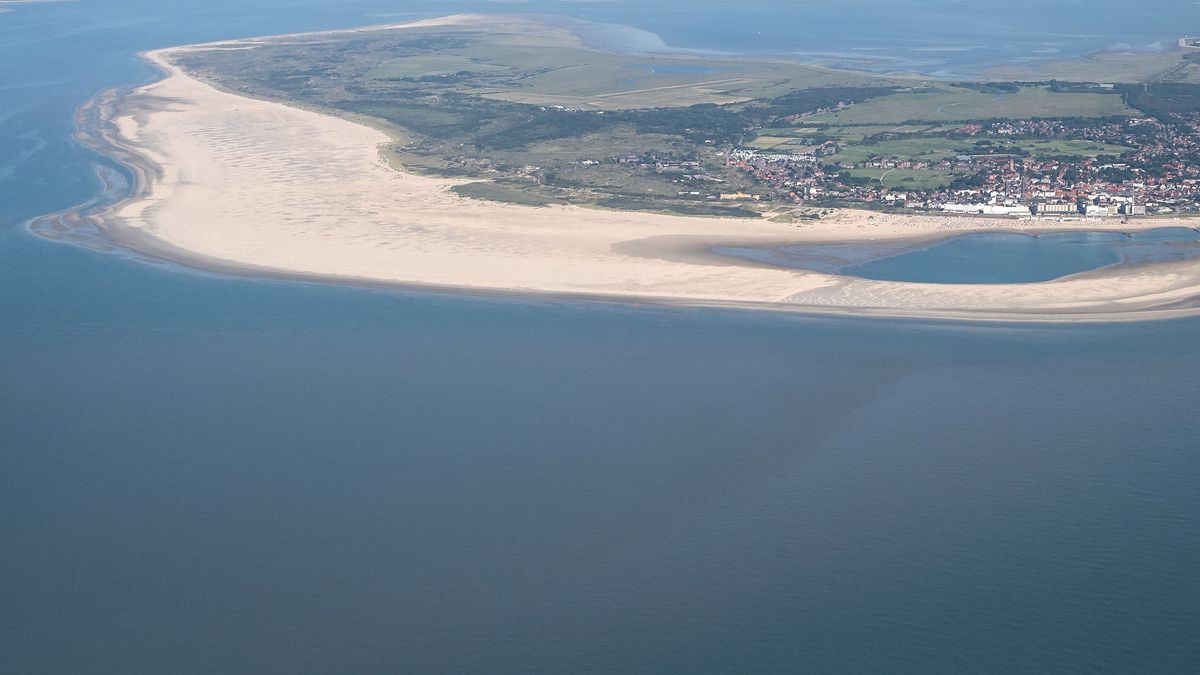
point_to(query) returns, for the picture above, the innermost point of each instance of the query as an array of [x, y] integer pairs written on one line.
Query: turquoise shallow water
[[205, 474]]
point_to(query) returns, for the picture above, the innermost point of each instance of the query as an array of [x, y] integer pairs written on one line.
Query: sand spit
[[226, 182]]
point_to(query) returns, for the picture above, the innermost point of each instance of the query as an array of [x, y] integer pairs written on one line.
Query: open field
[[523, 61], [1071, 148], [763, 142], [942, 103], [925, 149], [937, 148], [519, 61], [1186, 73], [511, 193], [430, 65], [910, 179], [852, 133], [1126, 66], [580, 78]]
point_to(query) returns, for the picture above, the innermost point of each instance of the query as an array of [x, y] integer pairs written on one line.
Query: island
[[510, 155]]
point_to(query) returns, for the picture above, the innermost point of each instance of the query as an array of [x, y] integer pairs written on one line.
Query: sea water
[[214, 474], [940, 37], [984, 258]]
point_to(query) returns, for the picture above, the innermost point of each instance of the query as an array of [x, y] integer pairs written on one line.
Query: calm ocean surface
[[984, 258], [202, 474]]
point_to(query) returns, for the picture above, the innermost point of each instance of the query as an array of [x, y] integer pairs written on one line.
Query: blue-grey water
[[984, 258], [940, 37], [204, 474]]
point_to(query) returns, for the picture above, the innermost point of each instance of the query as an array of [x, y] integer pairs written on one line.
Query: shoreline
[[205, 160]]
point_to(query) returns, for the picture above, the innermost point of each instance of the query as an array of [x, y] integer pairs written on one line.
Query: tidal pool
[[984, 258]]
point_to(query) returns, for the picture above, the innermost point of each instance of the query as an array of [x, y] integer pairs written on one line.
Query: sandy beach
[[227, 182]]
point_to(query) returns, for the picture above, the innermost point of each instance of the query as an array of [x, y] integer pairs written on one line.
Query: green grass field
[[900, 179], [430, 64], [1055, 148], [935, 149], [558, 70], [780, 143], [586, 79], [511, 194], [943, 104], [922, 149]]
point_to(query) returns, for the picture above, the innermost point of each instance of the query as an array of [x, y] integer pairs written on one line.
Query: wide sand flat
[[238, 182]]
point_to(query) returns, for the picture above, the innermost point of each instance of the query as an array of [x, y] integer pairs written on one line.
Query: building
[[1056, 209]]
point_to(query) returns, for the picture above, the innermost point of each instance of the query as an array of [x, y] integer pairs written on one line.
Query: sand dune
[[233, 182]]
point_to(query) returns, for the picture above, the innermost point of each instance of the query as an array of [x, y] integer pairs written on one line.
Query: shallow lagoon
[[985, 258]]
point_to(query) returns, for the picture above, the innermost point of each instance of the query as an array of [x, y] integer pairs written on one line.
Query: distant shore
[[234, 184]]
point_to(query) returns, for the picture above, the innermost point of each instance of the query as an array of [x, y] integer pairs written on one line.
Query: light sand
[[233, 182]]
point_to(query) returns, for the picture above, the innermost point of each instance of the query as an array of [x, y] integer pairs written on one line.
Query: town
[[1013, 167]]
